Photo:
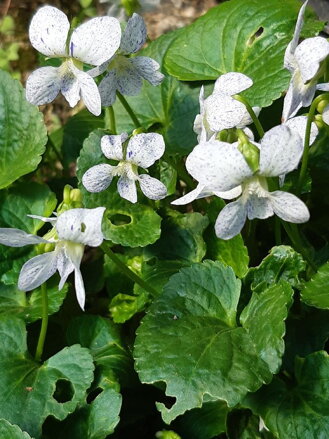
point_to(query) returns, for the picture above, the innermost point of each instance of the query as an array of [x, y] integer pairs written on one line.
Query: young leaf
[[244, 36], [32, 389], [315, 291], [22, 132]]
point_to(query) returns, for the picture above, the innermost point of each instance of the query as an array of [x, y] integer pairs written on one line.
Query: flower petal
[[323, 87], [82, 226], [70, 86], [144, 149], [298, 95], [74, 254], [112, 146], [88, 90], [281, 150], [299, 24], [325, 115], [218, 165], [127, 189], [190, 196], [18, 238], [229, 195], [288, 207], [48, 31], [231, 219], [223, 112], [134, 35], [309, 54], [43, 85], [36, 271], [232, 83], [298, 124], [148, 69], [64, 266], [108, 88], [79, 288], [129, 81], [152, 188], [98, 178], [259, 207], [96, 41]]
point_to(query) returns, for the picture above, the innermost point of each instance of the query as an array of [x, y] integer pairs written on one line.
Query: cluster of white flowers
[[98, 42], [221, 168]]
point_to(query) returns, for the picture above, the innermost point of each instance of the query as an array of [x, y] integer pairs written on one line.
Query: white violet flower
[[142, 150], [93, 43], [303, 61], [220, 165], [220, 110], [125, 73], [75, 228]]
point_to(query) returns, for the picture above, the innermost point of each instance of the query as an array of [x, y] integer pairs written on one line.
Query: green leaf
[[9, 431], [264, 318], [171, 107], [30, 388], [29, 305], [102, 338], [315, 291], [204, 423], [22, 132], [245, 36], [140, 225], [181, 237], [282, 263], [125, 306], [297, 408], [75, 131], [198, 304]]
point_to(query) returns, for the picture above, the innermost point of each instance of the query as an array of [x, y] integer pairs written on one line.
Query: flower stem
[[303, 169], [181, 172], [296, 240], [110, 120], [44, 323], [255, 119], [129, 110], [125, 270]]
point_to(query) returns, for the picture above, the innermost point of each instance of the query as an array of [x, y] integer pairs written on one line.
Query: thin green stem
[[44, 323], [303, 169], [53, 147], [255, 119], [125, 270], [110, 120], [296, 240], [129, 110]]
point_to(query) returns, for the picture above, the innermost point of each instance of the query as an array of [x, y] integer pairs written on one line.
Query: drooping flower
[[142, 150], [220, 110], [221, 167], [126, 73], [74, 228], [304, 62], [93, 43]]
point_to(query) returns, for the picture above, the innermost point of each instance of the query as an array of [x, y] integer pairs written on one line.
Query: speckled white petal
[[98, 178], [232, 83], [231, 219], [152, 188], [247, 119], [229, 195], [129, 81], [74, 254], [96, 41], [36, 271], [218, 165], [325, 115], [108, 89], [82, 226], [189, 197], [290, 62], [70, 88], [64, 266], [98, 70], [134, 36], [144, 149], [148, 69], [259, 207], [298, 124], [127, 189], [323, 87], [223, 112], [298, 95], [88, 91], [281, 150], [43, 85], [288, 207], [79, 288], [299, 24], [18, 238], [309, 54], [48, 31], [45, 219], [112, 146]]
